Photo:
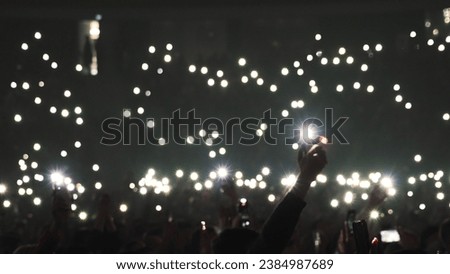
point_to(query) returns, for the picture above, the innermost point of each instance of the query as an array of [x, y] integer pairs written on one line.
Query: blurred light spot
[[334, 203]]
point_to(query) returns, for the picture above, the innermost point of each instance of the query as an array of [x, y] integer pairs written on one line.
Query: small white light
[[378, 47], [440, 196], [224, 83], [37, 201], [142, 190], [334, 203], [95, 167], [446, 116], [77, 110], [318, 37], [98, 185], [151, 49], [271, 198], [78, 67], [45, 57], [65, 113], [356, 85], [167, 58], [423, 177], [309, 58], [348, 197], [364, 67], [374, 214], [412, 34], [79, 121], [219, 73], [82, 215], [159, 71], [213, 175], [417, 158], [342, 50], [54, 65], [37, 100], [366, 47], [192, 68], [296, 64], [370, 88], [169, 46], [300, 72], [349, 60], [212, 154], [324, 61], [25, 86], [123, 208], [17, 118], [285, 113], [24, 46], [441, 47], [2, 189], [273, 88], [6, 203], [222, 172], [410, 193], [284, 71], [408, 105], [398, 98], [161, 141], [204, 70], [336, 60], [193, 176], [21, 191], [254, 74], [244, 79], [36, 146], [430, 42], [77, 144], [238, 175], [198, 186], [422, 206], [179, 173], [158, 208], [140, 110], [222, 151]]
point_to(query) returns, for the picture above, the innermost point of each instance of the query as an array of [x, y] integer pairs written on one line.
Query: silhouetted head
[[234, 241], [444, 234]]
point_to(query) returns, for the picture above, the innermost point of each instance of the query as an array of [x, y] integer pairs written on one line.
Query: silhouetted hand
[[376, 197], [311, 162]]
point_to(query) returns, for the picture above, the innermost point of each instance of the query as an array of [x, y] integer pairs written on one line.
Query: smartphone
[[390, 236], [243, 213], [351, 215], [361, 235]]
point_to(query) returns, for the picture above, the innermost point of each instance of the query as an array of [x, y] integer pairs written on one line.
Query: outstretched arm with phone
[[279, 227]]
